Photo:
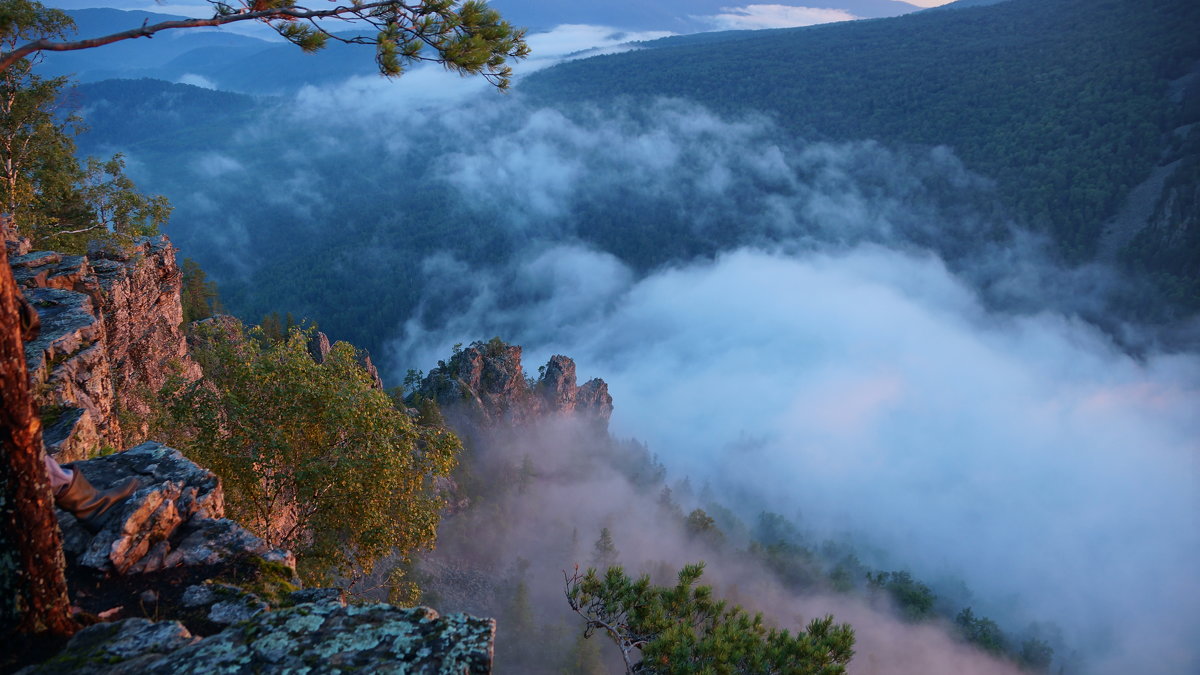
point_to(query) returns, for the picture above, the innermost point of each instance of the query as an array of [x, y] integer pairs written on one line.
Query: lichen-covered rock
[[306, 595], [313, 638], [176, 517], [127, 646], [233, 605], [69, 367]]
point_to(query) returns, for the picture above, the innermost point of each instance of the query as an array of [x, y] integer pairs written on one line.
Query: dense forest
[[1056, 110], [1065, 104]]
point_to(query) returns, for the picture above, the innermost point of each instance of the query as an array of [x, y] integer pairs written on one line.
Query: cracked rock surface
[[321, 637], [174, 518]]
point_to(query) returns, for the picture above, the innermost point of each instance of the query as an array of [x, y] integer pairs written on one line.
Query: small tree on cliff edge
[[464, 35], [312, 457], [683, 629]]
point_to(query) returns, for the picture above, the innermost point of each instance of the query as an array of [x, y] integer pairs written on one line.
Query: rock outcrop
[[485, 386], [319, 347], [143, 316], [110, 337], [171, 533], [319, 637], [108, 325], [176, 517]]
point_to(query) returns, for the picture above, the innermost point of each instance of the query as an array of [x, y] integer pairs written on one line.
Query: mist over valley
[[909, 315]]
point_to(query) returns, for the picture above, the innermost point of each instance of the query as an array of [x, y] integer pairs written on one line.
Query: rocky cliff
[[170, 584], [484, 386], [232, 603], [108, 324]]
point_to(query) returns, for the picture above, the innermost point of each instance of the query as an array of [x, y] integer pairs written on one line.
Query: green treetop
[[313, 458], [684, 629], [51, 197]]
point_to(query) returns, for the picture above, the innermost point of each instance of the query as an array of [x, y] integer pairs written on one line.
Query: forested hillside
[[1064, 103], [1056, 108]]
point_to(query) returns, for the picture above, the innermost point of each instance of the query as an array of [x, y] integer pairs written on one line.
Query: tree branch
[[286, 13], [86, 229]]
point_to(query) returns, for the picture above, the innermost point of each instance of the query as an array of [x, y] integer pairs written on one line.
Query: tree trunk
[[33, 589]]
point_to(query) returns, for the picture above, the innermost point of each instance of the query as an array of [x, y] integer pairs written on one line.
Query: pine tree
[[605, 554], [465, 36], [684, 629], [198, 295]]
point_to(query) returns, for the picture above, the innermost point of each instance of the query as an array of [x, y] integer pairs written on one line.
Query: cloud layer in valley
[[869, 391], [754, 17], [852, 333]]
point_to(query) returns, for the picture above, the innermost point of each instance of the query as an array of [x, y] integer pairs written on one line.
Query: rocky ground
[[167, 584]]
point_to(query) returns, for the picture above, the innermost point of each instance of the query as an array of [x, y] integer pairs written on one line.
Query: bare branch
[[86, 229]]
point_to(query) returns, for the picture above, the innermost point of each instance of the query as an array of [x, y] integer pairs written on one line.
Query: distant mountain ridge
[[237, 62], [143, 57], [1063, 102], [683, 16]]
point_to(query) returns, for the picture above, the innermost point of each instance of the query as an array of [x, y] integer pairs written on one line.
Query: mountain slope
[[1063, 102], [673, 15], [141, 57]]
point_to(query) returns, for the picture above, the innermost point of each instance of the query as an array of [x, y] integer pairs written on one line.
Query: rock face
[[110, 337], [319, 637], [108, 325], [484, 385], [71, 373], [176, 517], [142, 315]]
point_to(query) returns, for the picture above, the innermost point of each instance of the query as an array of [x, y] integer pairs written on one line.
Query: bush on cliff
[[312, 457]]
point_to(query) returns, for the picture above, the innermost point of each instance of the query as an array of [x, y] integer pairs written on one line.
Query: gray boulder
[[322, 637]]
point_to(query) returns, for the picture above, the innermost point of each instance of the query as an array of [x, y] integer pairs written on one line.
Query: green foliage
[[985, 633], [54, 200], [312, 457], [605, 553], [699, 525], [465, 36], [684, 629], [797, 567], [1036, 655], [119, 212], [517, 638], [276, 328], [198, 295], [914, 599]]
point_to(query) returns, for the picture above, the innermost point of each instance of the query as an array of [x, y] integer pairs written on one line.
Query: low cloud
[[872, 392], [579, 40], [754, 17], [197, 81], [215, 165], [847, 338]]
